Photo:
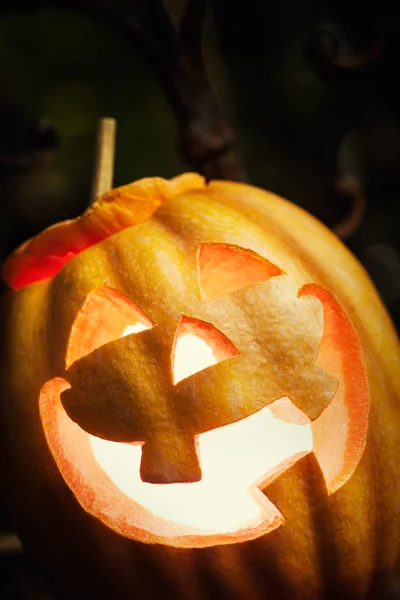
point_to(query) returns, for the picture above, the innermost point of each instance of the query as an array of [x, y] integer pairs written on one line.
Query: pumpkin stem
[[103, 174]]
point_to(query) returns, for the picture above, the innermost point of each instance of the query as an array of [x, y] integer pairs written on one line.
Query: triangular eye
[[105, 316], [198, 345], [225, 268]]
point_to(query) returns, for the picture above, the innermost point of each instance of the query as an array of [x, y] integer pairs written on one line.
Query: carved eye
[[223, 269], [198, 345], [106, 315]]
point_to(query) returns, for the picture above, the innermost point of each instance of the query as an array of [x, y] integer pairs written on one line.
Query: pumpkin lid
[[45, 254]]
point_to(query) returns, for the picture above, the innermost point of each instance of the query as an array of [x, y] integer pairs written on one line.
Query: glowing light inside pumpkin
[[192, 354], [233, 459], [136, 328]]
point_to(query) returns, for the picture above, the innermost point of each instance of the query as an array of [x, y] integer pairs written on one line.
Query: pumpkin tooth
[[163, 462]]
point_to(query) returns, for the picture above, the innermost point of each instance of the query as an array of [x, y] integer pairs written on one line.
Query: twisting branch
[[162, 30], [191, 29], [206, 139], [350, 187], [325, 56]]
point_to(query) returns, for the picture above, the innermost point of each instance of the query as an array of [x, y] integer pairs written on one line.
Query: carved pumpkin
[[187, 388]]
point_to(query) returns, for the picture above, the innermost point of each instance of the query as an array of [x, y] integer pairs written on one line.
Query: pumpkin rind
[[345, 542]]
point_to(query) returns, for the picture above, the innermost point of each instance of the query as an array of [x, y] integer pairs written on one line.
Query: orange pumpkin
[[201, 393]]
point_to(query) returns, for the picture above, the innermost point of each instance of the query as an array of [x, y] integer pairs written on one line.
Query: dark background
[[310, 87]]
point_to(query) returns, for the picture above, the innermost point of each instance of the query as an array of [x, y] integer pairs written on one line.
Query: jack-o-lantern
[[189, 374]]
